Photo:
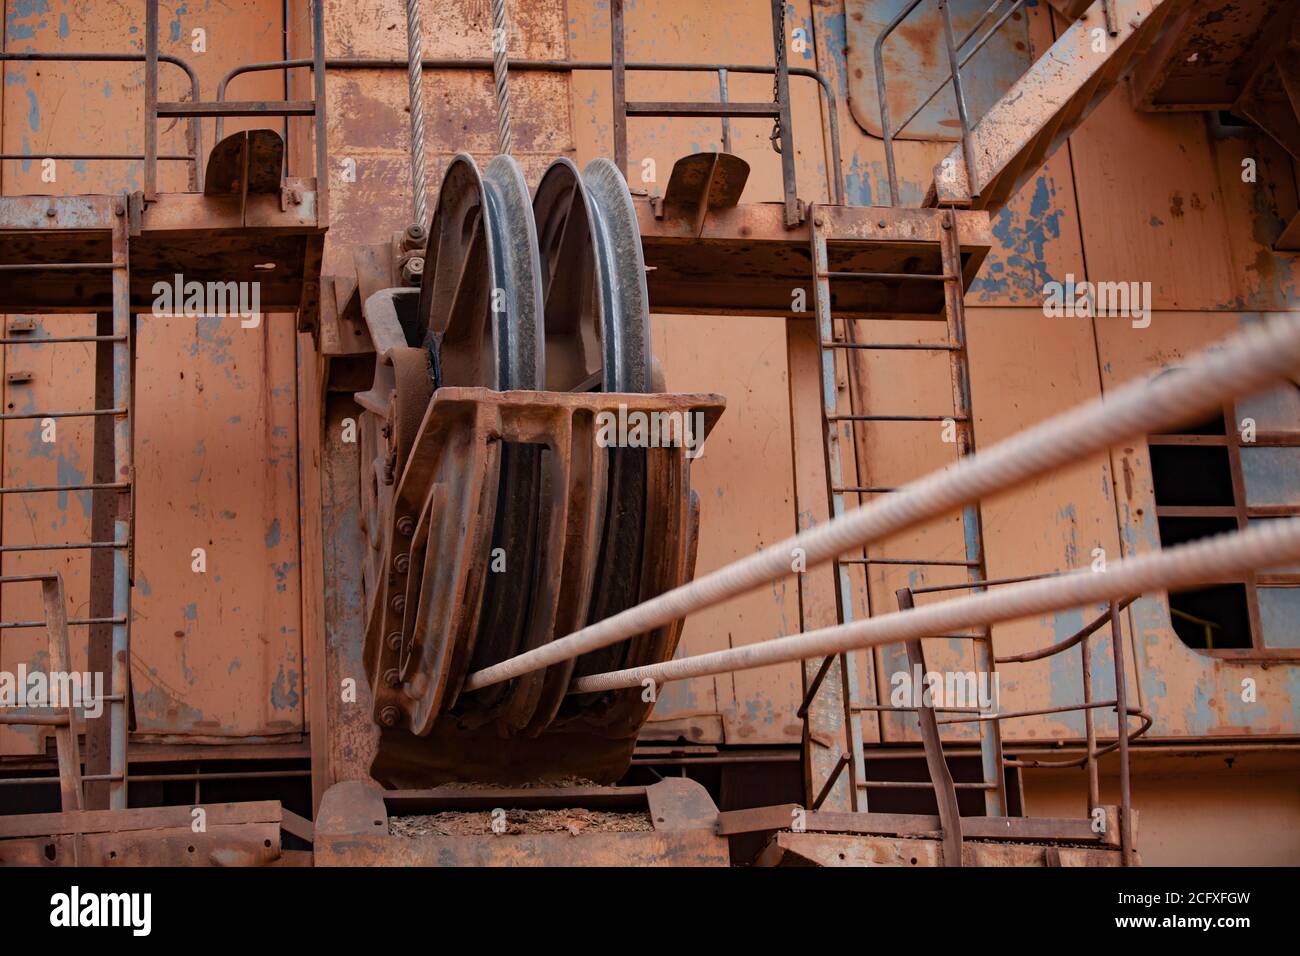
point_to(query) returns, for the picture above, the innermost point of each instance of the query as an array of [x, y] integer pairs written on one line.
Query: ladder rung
[[85, 413], [891, 347], [72, 621], [33, 489], [56, 266], [918, 562], [73, 546], [916, 276], [896, 418], [62, 339], [862, 490]]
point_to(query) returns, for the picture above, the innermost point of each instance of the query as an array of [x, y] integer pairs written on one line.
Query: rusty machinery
[[497, 515]]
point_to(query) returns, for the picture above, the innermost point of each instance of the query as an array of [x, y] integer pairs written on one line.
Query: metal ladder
[[111, 484], [831, 348], [62, 719]]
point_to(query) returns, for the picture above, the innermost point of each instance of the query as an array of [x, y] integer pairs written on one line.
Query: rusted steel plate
[[256, 844], [1207, 55], [251, 161], [824, 849], [236, 834], [422, 620]]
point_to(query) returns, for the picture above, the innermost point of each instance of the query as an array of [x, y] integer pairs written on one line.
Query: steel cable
[[415, 84], [1203, 562], [1246, 363], [500, 65]]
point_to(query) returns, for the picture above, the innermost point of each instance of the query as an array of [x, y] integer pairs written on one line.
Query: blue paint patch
[[33, 112], [1025, 239], [190, 611], [273, 534], [63, 26], [837, 39], [175, 25], [284, 692], [858, 183], [281, 572]]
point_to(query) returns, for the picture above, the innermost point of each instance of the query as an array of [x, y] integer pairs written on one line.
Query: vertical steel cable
[[415, 80], [500, 34]]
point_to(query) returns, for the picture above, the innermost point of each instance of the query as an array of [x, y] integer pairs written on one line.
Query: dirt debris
[[573, 821]]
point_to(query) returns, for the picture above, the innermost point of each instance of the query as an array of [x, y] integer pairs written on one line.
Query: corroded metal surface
[[437, 556], [353, 828], [916, 66]]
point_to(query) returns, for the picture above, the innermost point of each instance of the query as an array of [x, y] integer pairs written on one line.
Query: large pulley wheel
[[597, 320], [480, 312], [480, 293], [597, 331]]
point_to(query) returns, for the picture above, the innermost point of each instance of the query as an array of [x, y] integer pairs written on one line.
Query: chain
[[776, 79]]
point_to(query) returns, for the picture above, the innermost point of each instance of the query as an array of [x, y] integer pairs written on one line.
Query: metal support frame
[[779, 110]]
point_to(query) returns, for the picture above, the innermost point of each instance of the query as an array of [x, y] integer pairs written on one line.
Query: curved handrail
[[835, 172], [196, 127]]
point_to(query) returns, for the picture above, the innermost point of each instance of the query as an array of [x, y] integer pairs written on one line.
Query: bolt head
[[406, 525], [402, 563], [394, 641], [392, 678], [398, 603], [388, 716]]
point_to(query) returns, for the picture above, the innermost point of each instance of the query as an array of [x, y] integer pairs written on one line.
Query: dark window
[[1238, 468]]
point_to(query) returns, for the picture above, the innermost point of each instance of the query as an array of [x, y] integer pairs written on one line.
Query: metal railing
[[1087, 706], [195, 129], [835, 168], [196, 109], [315, 107], [956, 60]]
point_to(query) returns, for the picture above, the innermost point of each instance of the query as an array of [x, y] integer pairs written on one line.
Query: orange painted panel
[[215, 654], [745, 484], [1025, 368]]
